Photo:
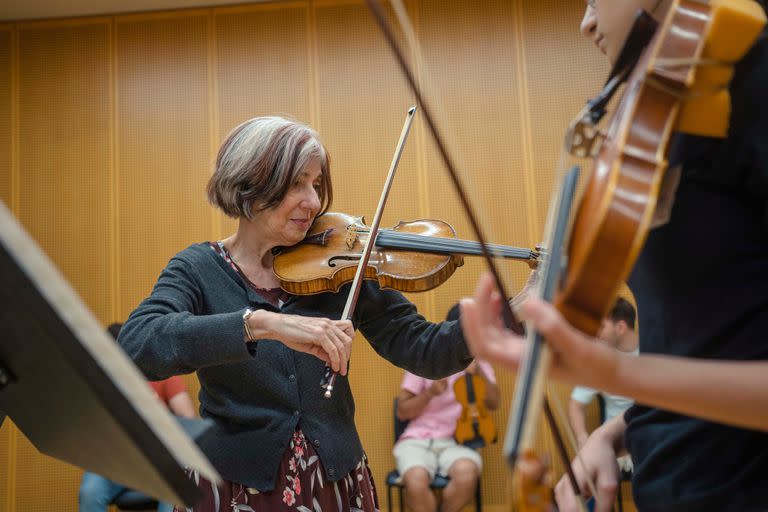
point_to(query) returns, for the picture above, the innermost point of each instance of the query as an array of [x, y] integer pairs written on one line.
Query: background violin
[[475, 427], [413, 256]]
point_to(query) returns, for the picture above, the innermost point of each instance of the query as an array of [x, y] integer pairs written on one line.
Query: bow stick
[[329, 378]]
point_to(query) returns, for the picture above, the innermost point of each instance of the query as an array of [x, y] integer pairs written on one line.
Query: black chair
[[624, 475], [134, 500], [438, 483]]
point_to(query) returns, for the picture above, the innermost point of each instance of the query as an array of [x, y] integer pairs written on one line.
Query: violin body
[[475, 426], [329, 256], [411, 257]]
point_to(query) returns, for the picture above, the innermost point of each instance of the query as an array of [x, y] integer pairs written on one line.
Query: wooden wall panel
[[362, 110], [6, 37], [64, 186], [558, 83], [162, 145], [64, 151], [266, 75]]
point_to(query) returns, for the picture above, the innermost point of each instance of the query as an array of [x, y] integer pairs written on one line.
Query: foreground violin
[[411, 257]]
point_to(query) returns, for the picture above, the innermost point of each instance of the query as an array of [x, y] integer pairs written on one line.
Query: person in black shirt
[[699, 440]]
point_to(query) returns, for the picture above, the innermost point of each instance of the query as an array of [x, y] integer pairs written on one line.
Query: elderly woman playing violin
[[260, 353], [698, 434]]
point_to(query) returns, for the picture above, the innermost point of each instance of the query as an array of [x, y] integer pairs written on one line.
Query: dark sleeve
[[168, 334], [750, 116], [398, 333]]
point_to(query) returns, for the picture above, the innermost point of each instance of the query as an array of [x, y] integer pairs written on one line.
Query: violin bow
[[329, 378], [509, 316]]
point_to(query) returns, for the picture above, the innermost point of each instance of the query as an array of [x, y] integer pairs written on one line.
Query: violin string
[[422, 242]]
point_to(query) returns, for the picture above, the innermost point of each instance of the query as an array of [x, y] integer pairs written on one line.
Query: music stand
[[71, 389]]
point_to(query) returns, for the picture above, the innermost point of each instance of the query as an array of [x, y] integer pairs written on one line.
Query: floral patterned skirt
[[300, 487]]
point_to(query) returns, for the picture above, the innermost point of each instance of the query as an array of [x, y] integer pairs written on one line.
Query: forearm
[[613, 432], [175, 344], [170, 334], [397, 332], [731, 392], [411, 407], [181, 405], [578, 421]]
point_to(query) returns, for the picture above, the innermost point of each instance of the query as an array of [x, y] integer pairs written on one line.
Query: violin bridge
[[352, 237]]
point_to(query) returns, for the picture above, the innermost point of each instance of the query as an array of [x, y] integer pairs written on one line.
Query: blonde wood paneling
[[64, 182], [8, 437], [362, 110], [559, 82], [266, 75], [6, 37], [162, 145], [64, 152]]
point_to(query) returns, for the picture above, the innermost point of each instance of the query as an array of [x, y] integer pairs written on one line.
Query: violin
[[411, 257], [475, 426]]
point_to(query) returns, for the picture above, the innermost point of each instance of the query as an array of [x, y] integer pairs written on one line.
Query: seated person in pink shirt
[[427, 446]]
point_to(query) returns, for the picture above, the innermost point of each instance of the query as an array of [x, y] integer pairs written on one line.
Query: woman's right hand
[[329, 340], [599, 456]]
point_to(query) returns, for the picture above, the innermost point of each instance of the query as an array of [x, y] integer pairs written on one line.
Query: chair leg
[[389, 498], [478, 498], [402, 503]]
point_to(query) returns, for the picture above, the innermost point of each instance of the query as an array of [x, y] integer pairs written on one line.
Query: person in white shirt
[[617, 331]]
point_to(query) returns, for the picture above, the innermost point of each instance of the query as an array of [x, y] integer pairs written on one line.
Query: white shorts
[[435, 455]]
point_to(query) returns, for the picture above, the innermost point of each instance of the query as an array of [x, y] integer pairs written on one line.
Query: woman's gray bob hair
[[260, 160]]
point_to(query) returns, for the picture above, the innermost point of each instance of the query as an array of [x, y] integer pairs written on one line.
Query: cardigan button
[[291, 377], [296, 412], [316, 442], [331, 472]]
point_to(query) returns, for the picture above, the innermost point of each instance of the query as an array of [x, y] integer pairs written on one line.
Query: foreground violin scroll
[[411, 257]]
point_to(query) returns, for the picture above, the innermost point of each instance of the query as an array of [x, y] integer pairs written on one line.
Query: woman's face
[[287, 223], [608, 22]]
